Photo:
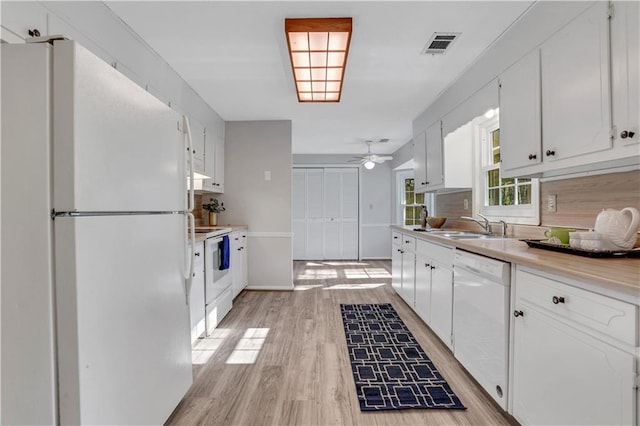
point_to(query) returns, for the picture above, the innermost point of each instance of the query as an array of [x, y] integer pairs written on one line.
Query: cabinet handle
[[433, 267], [532, 156], [626, 134], [197, 253], [426, 265], [426, 183], [557, 300], [407, 241], [395, 238], [518, 314], [550, 153], [240, 248]]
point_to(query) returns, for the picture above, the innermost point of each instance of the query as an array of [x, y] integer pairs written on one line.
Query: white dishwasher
[[481, 320]]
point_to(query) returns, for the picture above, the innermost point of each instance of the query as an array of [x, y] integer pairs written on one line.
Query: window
[[514, 200], [410, 204]]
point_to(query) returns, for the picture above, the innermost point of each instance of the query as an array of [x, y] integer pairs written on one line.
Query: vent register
[[439, 43]]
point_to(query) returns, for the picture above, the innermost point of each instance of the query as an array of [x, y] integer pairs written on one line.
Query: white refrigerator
[[94, 316]]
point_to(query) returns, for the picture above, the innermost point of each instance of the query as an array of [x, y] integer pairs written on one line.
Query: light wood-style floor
[[280, 358]]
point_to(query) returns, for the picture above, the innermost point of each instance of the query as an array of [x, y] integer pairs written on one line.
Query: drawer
[[396, 238], [609, 316], [408, 242], [441, 254]]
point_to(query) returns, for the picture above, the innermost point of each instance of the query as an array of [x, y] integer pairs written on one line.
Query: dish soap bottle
[[423, 217]]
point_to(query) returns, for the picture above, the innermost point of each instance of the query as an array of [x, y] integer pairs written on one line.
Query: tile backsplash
[[579, 200]]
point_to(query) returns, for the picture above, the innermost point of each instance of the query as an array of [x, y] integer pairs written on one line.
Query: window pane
[[495, 138], [408, 185], [508, 181], [408, 213], [508, 196], [524, 194], [409, 197], [496, 156], [419, 199], [522, 180], [493, 177], [494, 197]]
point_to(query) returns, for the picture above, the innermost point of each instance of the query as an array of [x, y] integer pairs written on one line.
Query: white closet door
[[314, 197], [325, 213], [340, 234], [349, 213], [299, 213]]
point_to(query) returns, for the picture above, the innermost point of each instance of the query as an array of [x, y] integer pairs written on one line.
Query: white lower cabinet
[[422, 275], [407, 291], [238, 261], [396, 261], [196, 295], [573, 359]]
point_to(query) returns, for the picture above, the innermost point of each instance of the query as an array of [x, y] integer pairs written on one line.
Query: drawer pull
[[426, 265], [532, 156], [395, 238], [518, 314], [197, 253], [407, 241], [557, 300], [433, 267]]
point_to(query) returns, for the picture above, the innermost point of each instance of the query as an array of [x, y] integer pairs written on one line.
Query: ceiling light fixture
[[369, 164], [318, 49]]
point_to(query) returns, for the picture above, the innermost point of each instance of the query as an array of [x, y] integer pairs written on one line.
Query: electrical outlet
[[552, 203], [466, 204]]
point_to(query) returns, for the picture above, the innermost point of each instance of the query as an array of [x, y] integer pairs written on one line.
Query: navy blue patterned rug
[[390, 368]]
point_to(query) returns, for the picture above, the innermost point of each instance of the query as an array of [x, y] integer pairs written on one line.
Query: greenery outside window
[[514, 200]]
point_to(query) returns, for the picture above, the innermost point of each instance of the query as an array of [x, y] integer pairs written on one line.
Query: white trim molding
[[270, 234]]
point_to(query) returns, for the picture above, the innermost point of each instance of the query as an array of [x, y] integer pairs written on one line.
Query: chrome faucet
[[484, 224]]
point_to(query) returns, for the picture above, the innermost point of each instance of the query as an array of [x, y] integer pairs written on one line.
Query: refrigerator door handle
[[190, 244], [187, 129]]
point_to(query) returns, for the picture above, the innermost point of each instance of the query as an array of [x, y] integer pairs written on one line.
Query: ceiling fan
[[369, 161]]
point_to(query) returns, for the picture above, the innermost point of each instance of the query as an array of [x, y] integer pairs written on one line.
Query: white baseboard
[[376, 258], [269, 288]]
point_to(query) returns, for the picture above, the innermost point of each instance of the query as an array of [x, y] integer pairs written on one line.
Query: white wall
[[251, 149], [375, 204]]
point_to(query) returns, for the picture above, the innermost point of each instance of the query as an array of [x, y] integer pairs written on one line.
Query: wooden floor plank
[[299, 372]]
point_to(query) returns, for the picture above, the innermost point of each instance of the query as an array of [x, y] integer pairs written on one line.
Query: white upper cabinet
[[197, 145], [214, 162], [419, 164], [434, 156], [625, 60], [575, 87], [520, 124]]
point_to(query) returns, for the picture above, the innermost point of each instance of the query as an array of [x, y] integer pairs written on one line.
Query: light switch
[[552, 203], [267, 175]]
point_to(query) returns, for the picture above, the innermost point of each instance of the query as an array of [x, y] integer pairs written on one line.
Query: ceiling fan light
[[369, 164]]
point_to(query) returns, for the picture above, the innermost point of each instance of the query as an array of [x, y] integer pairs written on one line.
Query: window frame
[[429, 198], [528, 214]]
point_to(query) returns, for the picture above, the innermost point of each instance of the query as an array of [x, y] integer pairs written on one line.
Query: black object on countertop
[[542, 244], [419, 230]]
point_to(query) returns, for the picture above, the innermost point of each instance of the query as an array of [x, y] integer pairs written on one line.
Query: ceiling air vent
[[439, 43]]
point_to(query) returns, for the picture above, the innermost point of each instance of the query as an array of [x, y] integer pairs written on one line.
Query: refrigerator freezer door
[[124, 349], [116, 147]]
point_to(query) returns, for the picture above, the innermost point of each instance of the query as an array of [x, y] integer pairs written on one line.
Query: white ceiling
[[233, 53]]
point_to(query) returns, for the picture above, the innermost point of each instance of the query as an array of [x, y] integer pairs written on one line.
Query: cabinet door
[[218, 175], [563, 376], [419, 162], [408, 278], [197, 145], [434, 156], [442, 302], [396, 268], [423, 287], [520, 122], [575, 87], [196, 295], [625, 61]]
